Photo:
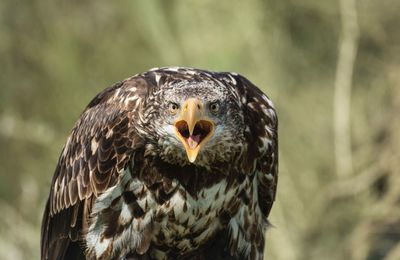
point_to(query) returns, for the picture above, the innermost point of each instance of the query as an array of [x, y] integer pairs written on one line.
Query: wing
[[96, 152], [262, 139], [260, 163]]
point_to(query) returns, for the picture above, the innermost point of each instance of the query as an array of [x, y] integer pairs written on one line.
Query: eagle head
[[198, 119]]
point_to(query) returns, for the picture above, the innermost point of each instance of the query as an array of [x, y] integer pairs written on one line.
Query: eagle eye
[[214, 107], [173, 108]]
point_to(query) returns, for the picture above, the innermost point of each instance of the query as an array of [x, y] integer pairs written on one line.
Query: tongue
[[193, 141]]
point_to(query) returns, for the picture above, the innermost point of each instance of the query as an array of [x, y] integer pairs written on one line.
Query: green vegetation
[[56, 55]]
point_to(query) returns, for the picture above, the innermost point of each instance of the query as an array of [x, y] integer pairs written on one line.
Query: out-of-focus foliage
[[56, 55]]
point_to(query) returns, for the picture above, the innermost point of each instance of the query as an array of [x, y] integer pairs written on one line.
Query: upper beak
[[193, 128]]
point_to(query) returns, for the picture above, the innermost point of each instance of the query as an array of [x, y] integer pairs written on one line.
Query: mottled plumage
[[174, 163]]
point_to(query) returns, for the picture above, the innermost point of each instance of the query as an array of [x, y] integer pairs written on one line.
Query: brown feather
[[105, 141], [80, 174]]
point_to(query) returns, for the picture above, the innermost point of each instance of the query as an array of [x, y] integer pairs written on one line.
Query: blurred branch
[[354, 185], [394, 253], [14, 127], [342, 98]]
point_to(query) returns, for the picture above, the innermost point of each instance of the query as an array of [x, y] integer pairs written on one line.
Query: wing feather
[[262, 140], [96, 152]]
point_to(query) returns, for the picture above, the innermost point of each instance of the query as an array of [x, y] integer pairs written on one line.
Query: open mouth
[[201, 130]]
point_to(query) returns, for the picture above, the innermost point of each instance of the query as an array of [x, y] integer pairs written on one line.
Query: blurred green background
[[56, 55]]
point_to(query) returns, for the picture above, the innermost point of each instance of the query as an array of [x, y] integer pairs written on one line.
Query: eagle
[[172, 163]]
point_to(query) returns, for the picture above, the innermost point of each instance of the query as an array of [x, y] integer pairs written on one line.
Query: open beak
[[193, 128]]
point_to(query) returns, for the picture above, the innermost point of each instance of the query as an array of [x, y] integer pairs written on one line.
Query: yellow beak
[[193, 128]]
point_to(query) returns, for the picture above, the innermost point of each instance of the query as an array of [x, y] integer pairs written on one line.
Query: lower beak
[[192, 128]]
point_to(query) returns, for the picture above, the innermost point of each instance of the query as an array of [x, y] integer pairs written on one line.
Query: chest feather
[[132, 215]]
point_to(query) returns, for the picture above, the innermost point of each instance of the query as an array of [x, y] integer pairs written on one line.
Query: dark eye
[[173, 108], [214, 107]]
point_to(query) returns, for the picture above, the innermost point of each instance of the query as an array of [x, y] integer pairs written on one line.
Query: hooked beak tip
[[195, 140], [193, 128]]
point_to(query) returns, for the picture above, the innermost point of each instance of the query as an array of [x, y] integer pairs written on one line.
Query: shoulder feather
[[262, 139], [97, 151]]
